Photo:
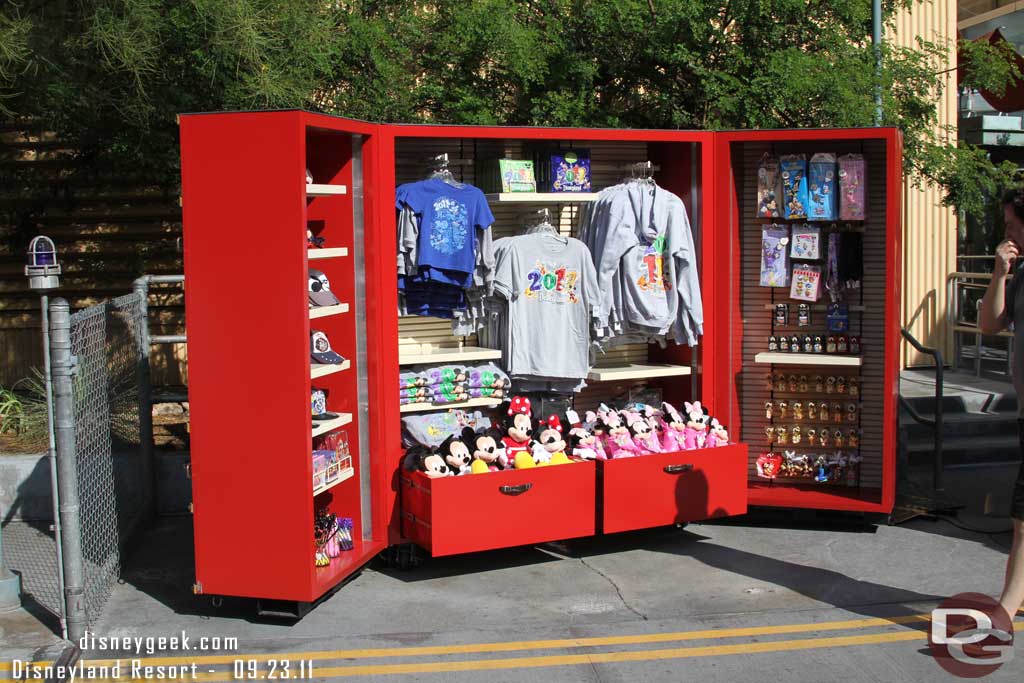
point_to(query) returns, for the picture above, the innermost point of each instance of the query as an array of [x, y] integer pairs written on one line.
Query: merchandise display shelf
[[542, 197], [330, 425], [323, 369], [318, 190], [363, 551], [346, 474], [324, 311], [447, 355], [808, 359], [637, 371], [471, 403], [336, 252], [854, 308]]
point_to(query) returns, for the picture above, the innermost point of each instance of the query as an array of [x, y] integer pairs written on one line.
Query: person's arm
[[994, 315]]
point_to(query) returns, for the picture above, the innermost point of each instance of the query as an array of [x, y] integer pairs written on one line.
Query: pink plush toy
[[618, 443], [672, 427], [717, 436], [696, 429], [643, 436]]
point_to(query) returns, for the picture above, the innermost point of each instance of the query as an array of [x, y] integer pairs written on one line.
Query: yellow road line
[[516, 646]]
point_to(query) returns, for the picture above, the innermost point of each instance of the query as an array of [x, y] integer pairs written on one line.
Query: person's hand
[[1006, 254]]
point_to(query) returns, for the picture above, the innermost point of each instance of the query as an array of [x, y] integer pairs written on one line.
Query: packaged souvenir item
[[805, 242], [517, 176], [803, 315], [782, 315], [806, 284], [774, 256], [837, 317], [570, 170], [768, 465], [794, 186], [769, 188], [821, 186], [852, 187], [794, 344]]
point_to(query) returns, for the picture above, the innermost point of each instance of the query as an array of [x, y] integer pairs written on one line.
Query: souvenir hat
[[320, 349], [320, 293]]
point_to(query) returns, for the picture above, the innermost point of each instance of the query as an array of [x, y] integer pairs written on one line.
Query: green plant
[[23, 411], [11, 412]]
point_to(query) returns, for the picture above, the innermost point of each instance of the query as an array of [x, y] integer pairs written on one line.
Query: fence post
[[141, 287], [67, 468]]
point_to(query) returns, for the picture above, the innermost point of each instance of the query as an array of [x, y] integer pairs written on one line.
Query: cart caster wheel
[[408, 557], [217, 601]]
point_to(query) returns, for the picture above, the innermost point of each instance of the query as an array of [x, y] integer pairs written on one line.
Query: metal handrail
[[956, 283], [936, 423]]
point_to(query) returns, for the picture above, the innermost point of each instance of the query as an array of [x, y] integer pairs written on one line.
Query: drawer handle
[[515, 490], [678, 469]]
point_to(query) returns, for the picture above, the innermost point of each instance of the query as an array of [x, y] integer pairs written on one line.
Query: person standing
[[1003, 305]]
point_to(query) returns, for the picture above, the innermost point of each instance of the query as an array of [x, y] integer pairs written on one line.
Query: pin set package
[[774, 256], [852, 187], [821, 182], [805, 243], [794, 186], [806, 282], [769, 188]]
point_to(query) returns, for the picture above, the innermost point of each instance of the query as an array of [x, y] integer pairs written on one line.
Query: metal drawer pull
[[677, 469], [515, 490]]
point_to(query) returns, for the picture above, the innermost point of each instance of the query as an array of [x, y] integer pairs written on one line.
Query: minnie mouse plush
[[640, 429], [584, 445], [487, 450], [618, 442], [549, 449], [519, 433], [717, 436], [672, 428], [696, 429]]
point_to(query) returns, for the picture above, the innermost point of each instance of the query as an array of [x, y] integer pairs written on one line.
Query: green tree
[[109, 75]]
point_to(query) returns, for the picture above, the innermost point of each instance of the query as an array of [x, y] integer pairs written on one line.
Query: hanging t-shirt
[[449, 217], [553, 301]]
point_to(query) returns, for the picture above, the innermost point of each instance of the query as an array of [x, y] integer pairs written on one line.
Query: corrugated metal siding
[[929, 229]]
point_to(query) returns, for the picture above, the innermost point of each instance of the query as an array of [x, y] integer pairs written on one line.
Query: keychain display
[[782, 315], [805, 242], [803, 315], [837, 317], [852, 187], [821, 185], [774, 256], [769, 188], [794, 186], [806, 284]]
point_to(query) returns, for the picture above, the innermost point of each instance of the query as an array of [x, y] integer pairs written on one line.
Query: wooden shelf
[[330, 425], [447, 355], [346, 474], [324, 311], [637, 371], [808, 359], [316, 254], [471, 403], [322, 369], [317, 190], [542, 197], [793, 304]]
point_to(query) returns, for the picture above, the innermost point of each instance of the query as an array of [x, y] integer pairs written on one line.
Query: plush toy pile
[[452, 384], [559, 439]]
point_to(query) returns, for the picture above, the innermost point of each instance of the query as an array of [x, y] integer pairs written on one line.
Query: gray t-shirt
[[1015, 314], [553, 300]]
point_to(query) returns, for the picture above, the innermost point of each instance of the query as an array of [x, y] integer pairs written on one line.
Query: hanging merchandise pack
[[805, 243], [806, 284], [794, 186], [642, 247], [821, 196], [769, 188], [570, 170], [774, 256], [852, 187]]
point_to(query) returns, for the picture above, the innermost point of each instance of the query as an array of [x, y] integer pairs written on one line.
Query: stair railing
[[936, 421]]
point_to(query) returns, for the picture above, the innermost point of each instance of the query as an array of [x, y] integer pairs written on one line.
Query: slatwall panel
[[512, 218], [758, 318]]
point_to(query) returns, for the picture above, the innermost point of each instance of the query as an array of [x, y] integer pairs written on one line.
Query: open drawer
[[499, 509], [671, 488]]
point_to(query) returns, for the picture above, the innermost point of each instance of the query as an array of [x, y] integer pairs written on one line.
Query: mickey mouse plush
[[456, 454], [519, 433], [549, 449], [427, 461], [487, 450]]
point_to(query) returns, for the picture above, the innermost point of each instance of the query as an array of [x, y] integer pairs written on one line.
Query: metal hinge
[[197, 588], [191, 510]]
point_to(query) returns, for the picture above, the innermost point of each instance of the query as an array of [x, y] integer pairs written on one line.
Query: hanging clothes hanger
[[541, 224], [440, 169], [642, 171]]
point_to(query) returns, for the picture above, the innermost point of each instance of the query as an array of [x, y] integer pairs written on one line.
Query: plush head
[[637, 424], [718, 429], [427, 460], [611, 421], [672, 416], [485, 445], [696, 416], [455, 452], [550, 436], [519, 426], [579, 436]]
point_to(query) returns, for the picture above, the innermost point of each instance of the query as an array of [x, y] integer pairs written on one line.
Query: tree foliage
[[109, 75]]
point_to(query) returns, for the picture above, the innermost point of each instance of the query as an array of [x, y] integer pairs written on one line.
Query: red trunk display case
[[246, 209]]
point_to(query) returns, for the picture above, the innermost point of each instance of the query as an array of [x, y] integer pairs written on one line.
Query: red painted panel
[[670, 488], [809, 496], [469, 513]]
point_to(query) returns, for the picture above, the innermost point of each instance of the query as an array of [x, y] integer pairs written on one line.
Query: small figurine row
[[815, 412], [839, 467], [600, 435], [834, 344], [782, 435], [840, 384], [332, 535]]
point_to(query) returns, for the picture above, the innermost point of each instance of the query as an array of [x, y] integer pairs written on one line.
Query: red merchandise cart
[[247, 208]]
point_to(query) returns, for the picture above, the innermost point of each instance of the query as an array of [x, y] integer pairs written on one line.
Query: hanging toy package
[[806, 243], [774, 259], [794, 186], [852, 187], [769, 188], [806, 284], [821, 180]]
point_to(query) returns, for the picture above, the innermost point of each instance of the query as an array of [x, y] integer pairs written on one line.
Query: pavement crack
[[614, 585]]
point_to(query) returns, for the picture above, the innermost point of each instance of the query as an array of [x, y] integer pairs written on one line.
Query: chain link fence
[[108, 344]]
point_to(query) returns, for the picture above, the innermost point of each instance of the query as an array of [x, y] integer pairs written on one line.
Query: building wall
[[929, 229]]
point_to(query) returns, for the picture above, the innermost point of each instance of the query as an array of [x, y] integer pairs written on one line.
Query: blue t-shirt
[[449, 217]]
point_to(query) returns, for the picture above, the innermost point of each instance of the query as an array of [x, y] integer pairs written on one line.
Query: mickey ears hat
[[553, 423], [519, 404]]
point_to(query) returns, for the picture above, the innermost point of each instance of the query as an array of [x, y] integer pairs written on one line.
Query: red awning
[[1013, 98]]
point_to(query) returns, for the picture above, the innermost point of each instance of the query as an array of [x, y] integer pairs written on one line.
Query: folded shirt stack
[[446, 384]]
